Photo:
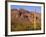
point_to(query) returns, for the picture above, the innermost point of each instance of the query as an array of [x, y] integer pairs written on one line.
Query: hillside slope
[[22, 20]]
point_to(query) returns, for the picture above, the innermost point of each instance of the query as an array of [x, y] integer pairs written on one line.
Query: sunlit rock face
[[22, 20]]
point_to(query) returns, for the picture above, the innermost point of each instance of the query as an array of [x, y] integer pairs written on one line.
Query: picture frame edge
[[6, 32]]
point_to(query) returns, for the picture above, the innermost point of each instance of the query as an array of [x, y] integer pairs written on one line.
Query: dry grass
[[23, 26]]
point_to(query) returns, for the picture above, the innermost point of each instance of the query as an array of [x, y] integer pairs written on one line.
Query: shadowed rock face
[[25, 18]]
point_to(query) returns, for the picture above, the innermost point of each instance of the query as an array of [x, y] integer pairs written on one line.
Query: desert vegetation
[[24, 20]]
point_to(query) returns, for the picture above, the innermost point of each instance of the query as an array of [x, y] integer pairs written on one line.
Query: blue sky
[[29, 8]]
